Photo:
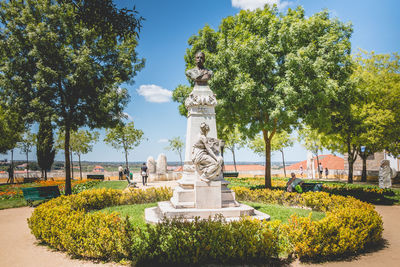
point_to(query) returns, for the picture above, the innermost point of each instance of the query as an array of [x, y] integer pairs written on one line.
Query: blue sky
[[163, 42]]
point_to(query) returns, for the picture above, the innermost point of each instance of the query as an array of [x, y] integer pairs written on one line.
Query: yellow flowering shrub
[[349, 224], [67, 223]]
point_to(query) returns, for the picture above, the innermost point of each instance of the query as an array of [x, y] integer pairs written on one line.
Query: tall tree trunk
[[364, 157], [45, 175], [180, 157], [11, 175], [234, 157], [318, 172], [283, 161], [68, 187], [72, 166], [267, 141], [352, 155], [126, 160], [80, 165], [27, 165]]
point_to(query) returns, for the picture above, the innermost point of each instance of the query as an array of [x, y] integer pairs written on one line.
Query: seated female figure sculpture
[[205, 155]]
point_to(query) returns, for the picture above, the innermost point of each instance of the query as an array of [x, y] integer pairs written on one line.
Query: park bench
[[40, 193], [231, 174], [95, 176], [311, 186]]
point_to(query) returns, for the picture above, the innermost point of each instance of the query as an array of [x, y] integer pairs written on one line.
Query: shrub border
[[66, 223]]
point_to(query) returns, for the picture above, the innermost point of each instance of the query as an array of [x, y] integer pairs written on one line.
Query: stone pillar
[[201, 108], [151, 164], [161, 167]]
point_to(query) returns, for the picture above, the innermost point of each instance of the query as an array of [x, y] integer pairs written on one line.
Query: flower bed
[[367, 193], [67, 224]]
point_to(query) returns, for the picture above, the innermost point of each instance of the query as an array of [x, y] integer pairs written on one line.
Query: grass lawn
[[112, 184], [12, 203], [134, 212], [277, 212], [283, 213]]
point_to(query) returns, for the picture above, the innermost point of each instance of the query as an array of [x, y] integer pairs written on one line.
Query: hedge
[[67, 223]]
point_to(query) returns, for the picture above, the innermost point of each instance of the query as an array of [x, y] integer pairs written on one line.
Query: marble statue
[[205, 155], [385, 174], [199, 74], [151, 164], [161, 164]]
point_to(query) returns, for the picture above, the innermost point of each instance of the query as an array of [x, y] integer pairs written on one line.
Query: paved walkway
[[18, 247]]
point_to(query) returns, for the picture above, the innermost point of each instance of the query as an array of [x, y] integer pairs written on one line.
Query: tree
[[45, 151], [273, 70], [233, 139], [176, 144], [125, 137], [11, 129], [280, 141], [68, 59], [377, 76], [82, 142], [28, 140], [313, 141]]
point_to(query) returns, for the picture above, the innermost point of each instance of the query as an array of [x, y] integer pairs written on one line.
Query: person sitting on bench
[[294, 184], [130, 180]]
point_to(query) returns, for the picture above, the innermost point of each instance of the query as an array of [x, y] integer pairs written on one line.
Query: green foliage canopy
[[271, 69], [125, 137], [55, 62]]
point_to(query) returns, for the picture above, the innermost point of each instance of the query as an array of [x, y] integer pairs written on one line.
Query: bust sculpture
[[205, 155], [199, 74]]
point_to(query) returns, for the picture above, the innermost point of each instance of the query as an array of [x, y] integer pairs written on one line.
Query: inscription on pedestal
[[208, 195]]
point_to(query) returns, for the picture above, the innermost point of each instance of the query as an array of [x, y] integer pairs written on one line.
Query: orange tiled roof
[[331, 162]]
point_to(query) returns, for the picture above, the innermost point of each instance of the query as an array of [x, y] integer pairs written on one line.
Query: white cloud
[[163, 141], [254, 4], [127, 116], [154, 93]]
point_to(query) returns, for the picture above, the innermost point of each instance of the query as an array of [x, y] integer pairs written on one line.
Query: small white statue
[[205, 155], [385, 174]]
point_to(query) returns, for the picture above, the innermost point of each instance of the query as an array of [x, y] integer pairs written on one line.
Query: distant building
[[335, 165], [98, 168], [373, 164]]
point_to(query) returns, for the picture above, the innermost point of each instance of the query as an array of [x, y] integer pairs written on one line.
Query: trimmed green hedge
[[67, 224]]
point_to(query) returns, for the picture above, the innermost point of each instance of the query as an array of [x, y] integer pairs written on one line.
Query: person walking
[[320, 169], [120, 172], [326, 173], [301, 171], [145, 173]]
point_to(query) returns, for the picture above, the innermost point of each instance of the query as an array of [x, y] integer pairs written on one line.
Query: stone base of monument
[[166, 210], [204, 200]]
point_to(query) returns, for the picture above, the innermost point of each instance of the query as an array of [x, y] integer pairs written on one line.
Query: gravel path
[[18, 247]]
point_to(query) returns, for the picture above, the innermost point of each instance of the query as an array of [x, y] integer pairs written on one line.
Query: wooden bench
[[95, 176], [231, 174], [40, 193]]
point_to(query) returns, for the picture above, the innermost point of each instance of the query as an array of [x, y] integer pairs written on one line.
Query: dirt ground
[[18, 247]]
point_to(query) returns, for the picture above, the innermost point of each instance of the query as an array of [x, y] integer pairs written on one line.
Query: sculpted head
[[204, 128], [200, 57]]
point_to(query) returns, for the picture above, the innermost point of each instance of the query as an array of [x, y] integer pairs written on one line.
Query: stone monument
[[202, 191], [151, 164], [386, 174], [161, 167]]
